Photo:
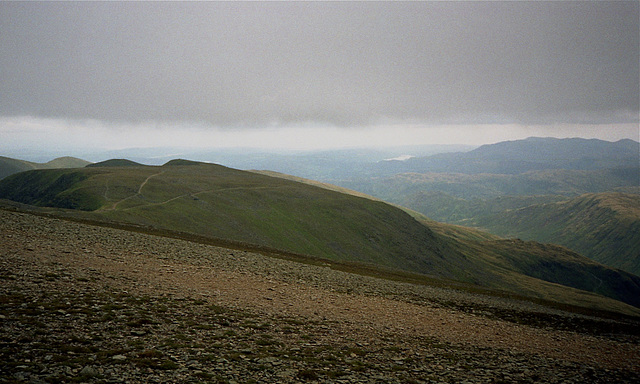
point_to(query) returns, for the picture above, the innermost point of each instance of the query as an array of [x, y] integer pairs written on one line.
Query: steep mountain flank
[[50, 188], [218, 202], [604, 227], [10, 166]]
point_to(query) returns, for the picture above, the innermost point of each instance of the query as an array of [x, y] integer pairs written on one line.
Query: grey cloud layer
[[234, 64]]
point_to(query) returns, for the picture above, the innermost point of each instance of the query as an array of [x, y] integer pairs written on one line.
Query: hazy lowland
[[547, 228]]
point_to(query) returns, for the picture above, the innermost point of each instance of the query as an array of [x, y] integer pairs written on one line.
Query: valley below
[[83, 303]]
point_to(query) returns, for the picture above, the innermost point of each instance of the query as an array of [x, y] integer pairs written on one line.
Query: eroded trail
[[346, 308], [114, 206]]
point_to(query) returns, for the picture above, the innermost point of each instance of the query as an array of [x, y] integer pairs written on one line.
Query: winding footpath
[[114, 206]]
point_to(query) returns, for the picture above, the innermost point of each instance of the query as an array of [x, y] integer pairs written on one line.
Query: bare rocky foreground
[[80, 303]]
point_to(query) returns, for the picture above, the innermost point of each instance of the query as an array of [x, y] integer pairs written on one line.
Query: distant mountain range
[[402, 187], [532, 189], [509, 157], [217, 202], [532, 154]]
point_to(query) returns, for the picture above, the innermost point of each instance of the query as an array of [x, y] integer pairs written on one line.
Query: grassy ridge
[[573, 208], [218, 202], [57, 188], [114, 163], [9, 166], [604, 227]]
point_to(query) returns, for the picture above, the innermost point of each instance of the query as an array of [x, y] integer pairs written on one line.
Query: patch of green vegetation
[[222, 206], [161, 364], [356, 351], [604, 227], [230, 333], [50, 276], [265, 340], [52, 188]]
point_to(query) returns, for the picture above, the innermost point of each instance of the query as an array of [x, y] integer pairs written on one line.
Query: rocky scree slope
[[81, 303]]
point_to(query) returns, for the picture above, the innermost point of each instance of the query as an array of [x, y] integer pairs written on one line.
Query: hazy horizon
[[161, 154], [315, 75]]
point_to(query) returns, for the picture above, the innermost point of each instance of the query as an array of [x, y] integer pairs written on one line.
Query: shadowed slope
[[218, 202]]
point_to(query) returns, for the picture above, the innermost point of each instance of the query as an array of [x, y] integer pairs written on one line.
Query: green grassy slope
[[220, 202], [51, 188], [9, 166], [216, 201], [115, 163], [63, 162], [516, 264], [559, 265], [604, 227]]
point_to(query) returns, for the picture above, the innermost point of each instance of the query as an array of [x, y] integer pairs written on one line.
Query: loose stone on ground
[[89, 304]]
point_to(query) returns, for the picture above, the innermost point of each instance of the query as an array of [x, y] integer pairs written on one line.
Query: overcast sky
[[306, 74]]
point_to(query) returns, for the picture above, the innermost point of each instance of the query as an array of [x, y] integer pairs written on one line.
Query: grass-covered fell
[[213, 201], [9, 166]]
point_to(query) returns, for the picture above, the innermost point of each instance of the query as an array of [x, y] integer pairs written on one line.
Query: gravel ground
[[80, 303]]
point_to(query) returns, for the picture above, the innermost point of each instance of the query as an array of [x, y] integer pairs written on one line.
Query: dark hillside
[[604, 227], [559, 265], [50, 188], [178, 162], [218, 202], [115, 163], [9, 166]]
